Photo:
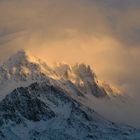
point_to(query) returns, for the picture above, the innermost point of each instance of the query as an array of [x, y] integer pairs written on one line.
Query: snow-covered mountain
[[40, 102], [22, 69], [45, 112]]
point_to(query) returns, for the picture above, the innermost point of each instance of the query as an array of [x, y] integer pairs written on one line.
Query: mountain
[[22, 69], [42, 111], [59, 102], [79, 80]]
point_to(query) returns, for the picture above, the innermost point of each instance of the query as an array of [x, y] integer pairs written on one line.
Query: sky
[[102, 33]]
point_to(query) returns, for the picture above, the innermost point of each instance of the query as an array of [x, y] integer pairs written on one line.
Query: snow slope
[[43, 111]]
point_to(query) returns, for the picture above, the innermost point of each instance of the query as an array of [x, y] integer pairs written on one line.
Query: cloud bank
[[104, 34]]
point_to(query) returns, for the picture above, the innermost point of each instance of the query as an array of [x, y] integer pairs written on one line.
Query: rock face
[[20, 104], [43, 111]]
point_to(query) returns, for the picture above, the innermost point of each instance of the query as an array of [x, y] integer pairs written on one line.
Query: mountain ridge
[[22, 68], [43, 111]]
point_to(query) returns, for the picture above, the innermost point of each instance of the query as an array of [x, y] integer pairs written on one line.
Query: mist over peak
[[103, 34]]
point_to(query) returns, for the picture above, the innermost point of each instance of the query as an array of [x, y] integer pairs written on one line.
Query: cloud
[[104, 34]]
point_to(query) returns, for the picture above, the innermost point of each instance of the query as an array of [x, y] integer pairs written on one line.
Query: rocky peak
[[23, 69]]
